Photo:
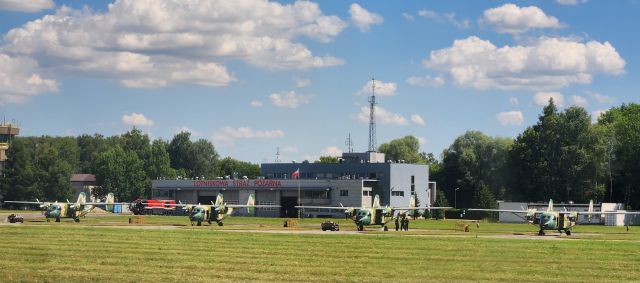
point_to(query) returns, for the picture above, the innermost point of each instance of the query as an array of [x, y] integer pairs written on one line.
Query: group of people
[[402, 222]]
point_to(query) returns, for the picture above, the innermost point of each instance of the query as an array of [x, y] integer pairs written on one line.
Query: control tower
[[7, 132]]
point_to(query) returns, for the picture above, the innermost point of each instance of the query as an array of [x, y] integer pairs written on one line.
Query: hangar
[[353, 181]]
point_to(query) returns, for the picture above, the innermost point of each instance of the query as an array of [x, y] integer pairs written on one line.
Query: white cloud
[[363, 18], [193, 132], [579, 101], [144, 43], [422, 140], [256, 103], [382, 116], [136, 119], [381, 88], [509, 18], [417, 119], [302, 82], [408, 17], [19, 80], [595, 115], [331, 151], [288, 99], [570, 2], [426, 81], [542, 98], [600, 98], [228, 135], [549, 63], [29, 6], [511, 118], [514, 101], [445, 17]]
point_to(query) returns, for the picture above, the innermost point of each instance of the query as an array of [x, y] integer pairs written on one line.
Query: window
[[316, 194], [366, 193], [397, 193], [413, 184], [344, 193]]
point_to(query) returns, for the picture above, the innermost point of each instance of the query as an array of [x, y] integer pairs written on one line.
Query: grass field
[[169, 249]]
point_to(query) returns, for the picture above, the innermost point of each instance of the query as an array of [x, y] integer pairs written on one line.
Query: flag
[[296, 174]]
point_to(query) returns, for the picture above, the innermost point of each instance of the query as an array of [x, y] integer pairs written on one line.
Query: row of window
[[312, 175]]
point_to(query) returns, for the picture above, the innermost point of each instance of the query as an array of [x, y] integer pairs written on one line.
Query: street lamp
[[455, 197]]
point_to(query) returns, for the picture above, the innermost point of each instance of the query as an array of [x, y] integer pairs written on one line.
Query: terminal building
[[7, 132], [352, 182]]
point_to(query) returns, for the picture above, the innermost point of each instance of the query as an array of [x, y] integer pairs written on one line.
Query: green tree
[[203, 157], [235, 168], [122, 173], [159, 163], [328, 159], [407, 149], [90, 147], [179, 151], [18, 179], [441, 201]]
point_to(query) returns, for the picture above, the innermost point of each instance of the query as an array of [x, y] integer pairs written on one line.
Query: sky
[[257, 77]]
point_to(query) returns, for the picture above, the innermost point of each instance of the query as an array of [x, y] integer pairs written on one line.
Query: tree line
[[40, 167], [563, 157]]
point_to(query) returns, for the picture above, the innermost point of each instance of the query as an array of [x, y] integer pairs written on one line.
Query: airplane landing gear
[[58, 219], [77, 220], [220, 224], [199, 223], [360, 227], [48, 219], [541, 232], [385, 228], [568, 232]]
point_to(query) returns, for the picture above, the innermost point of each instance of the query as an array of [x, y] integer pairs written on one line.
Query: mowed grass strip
[[68, 252]]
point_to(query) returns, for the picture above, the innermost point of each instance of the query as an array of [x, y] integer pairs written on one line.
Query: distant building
[[83, 183], [354, 181], [7, 132]]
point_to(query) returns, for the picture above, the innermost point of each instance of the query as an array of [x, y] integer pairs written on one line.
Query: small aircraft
[[57, 210], [376, 214], [563, 221], [199, 213]]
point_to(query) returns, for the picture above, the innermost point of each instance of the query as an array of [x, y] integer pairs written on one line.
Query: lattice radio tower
[[372, 117], [349, 144]]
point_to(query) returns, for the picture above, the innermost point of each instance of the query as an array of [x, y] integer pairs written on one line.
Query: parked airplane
[[563, 221], [57, 210], [199, 213], [375, 215]]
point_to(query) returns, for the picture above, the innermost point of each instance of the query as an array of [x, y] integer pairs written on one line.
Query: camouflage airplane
[[57, 210], [562, 221], [376, 214], [199, 213]]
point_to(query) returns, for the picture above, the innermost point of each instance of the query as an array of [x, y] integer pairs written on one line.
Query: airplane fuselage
[[560, 221], [202, 213]]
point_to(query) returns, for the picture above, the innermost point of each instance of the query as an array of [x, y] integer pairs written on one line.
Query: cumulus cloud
[[514, 101], [579, 101], [381, 88], [331, 151], [445, 17], [417, 119], [144, 43], [29, 6], [548, 63], [288, 99], [511, 118], [426, 81], [302, 82], [600, 98], [137, 119], [228, 135], [509, 18], [256, 103], [362, 18], [382, 116], [408, 17], [542, 98], [595, 115], [20, 80]]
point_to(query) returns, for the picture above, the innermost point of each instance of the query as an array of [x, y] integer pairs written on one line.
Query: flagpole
[[299, 201]]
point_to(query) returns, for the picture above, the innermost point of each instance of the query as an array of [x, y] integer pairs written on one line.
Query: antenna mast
[[349, 144], [278, 155], [372, 117]]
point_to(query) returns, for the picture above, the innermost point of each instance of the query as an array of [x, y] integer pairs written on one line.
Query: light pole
[[455, 197]]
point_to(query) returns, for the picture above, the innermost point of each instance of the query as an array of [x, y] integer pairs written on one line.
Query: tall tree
[[159, 163], [122, 173], [406, 148], [235, 168], [203, 157]]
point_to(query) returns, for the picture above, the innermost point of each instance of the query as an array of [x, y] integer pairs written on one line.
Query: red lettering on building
[[267, 183], [211, 183]]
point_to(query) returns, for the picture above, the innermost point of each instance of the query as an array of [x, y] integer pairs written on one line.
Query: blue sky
[[254, 76]]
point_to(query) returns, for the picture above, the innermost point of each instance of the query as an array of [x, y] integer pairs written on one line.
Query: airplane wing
[[607, 212], [251, 206], [328, 207], [420, 208], [502, 210], [23, 202]]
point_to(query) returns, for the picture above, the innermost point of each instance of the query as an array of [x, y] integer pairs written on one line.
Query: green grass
[[436, 251]]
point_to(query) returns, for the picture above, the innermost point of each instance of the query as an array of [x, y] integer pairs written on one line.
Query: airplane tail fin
[[251, 202], [550, 207], [219, 200], [376, 201], [590, 216], [110, 199], [82, 198]]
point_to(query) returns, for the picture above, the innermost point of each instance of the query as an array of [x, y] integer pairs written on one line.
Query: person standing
[[397, 223]]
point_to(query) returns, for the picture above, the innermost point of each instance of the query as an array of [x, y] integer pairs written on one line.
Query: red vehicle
[[153, 207]]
